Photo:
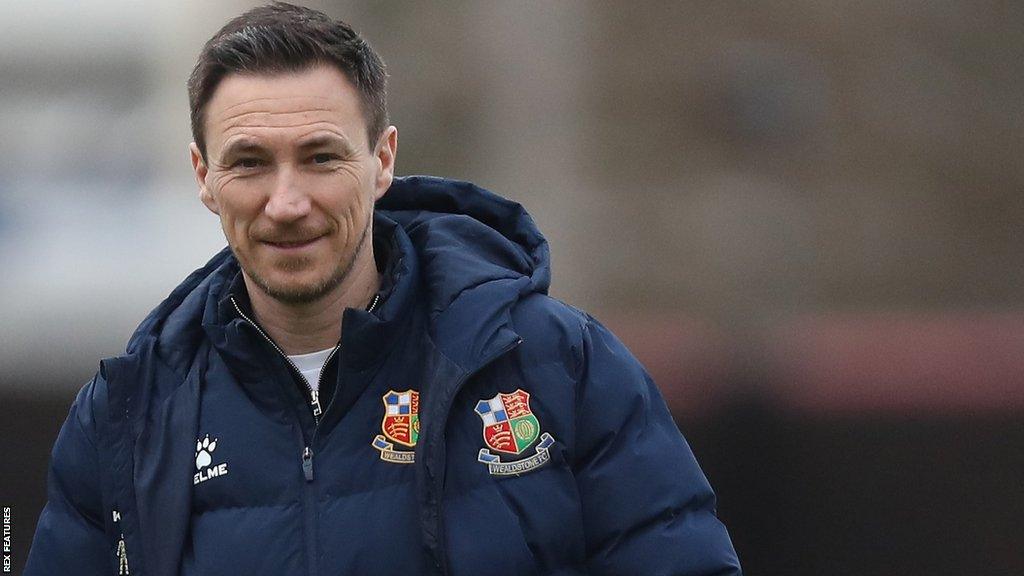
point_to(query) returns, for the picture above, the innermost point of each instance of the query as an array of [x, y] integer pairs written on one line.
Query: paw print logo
[[204, 449]]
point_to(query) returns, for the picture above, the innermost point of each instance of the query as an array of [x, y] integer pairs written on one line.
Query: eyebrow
[[239, 146], [250, 145], [326, 140]]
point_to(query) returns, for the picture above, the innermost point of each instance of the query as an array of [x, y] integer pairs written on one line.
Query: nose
[[287, 202]]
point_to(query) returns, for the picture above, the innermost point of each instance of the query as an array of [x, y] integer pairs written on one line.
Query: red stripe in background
[[948, 363]]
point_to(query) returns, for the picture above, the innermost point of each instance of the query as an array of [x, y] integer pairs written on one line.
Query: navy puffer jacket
[[469, 424]]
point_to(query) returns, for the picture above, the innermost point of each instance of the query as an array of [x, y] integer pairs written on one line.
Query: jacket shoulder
[[91, 404], [551, 331], [550, 327]]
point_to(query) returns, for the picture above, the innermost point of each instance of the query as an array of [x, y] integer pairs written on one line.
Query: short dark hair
[[282, 37]]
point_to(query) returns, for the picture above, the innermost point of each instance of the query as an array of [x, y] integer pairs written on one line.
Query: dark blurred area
[[803, 217]]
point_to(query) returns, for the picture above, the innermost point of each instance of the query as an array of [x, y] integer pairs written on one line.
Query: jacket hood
[[477, 253], [467, 236]]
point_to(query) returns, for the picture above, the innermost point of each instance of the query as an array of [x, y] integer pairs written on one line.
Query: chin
[[296, 293], [295, 287]]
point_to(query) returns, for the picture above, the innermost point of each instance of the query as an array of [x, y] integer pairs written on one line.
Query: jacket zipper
[[313, 393], [307, 450], [314, 396], [320, 380]]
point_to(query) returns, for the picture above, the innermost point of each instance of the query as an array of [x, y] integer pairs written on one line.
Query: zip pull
[[307, 463], [122, 557], [122, 550]]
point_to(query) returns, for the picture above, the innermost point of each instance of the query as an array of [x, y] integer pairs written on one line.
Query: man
[[371, 379]]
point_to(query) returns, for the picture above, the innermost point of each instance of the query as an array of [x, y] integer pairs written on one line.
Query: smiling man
[[371, 378], [293, 176]]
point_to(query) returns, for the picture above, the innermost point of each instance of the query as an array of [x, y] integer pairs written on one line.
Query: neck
[[317, 325]]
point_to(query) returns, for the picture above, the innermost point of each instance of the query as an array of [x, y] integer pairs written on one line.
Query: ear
[[201, 171], [384, 153]]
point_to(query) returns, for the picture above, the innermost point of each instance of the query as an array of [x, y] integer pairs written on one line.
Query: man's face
[[293, 178]]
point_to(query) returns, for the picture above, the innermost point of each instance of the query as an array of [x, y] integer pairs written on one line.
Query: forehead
[[284, 105]]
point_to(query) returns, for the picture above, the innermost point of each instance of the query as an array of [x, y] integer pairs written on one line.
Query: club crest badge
[[510, 427], [401, 427]]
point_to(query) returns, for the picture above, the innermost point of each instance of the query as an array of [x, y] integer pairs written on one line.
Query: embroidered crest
[[401, 425], [511, 427]]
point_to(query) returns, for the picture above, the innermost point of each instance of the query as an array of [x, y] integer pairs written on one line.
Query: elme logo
[[204, 457]]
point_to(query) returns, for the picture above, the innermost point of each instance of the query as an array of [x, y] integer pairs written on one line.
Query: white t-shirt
[[311, 365]]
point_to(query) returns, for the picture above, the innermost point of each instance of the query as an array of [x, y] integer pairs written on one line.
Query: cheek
[[240, 205], [346, 198], [355, 214]]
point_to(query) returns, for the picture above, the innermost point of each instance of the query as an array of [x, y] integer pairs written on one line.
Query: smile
[[293, 246]]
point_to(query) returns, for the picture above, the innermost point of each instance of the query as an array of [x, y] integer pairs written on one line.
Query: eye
[[323, 158], [248, 163]]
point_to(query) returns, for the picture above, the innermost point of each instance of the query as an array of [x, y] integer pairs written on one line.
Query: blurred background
[[803, 217]]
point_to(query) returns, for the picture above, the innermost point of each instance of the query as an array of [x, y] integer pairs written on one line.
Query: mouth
[[292, 245]]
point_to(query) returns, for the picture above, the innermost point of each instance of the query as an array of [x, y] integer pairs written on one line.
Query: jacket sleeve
[[70, 536], [647, 507]]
